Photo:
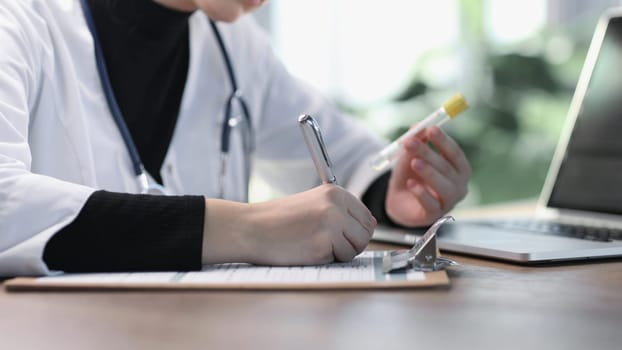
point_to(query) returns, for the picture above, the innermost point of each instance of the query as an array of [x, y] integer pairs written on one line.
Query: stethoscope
[[229, 122]]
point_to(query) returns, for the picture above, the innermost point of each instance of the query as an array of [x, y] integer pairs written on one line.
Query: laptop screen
[[590, 174]]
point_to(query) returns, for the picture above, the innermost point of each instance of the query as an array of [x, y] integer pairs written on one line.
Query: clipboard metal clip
[[423, 256]]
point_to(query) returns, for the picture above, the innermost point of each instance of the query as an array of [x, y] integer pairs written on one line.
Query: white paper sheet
[[366, 267]]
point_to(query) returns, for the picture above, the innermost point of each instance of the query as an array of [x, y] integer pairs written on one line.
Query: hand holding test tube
[[450, 109]]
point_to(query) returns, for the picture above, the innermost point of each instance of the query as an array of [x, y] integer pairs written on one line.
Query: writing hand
[[317, 226]]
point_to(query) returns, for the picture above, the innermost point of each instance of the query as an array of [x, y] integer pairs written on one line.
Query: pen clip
[[313, 138]]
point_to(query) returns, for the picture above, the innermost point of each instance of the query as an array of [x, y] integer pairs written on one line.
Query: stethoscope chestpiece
[[151, 188]]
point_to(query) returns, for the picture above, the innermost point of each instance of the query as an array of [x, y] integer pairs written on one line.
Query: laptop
[[579, 212]]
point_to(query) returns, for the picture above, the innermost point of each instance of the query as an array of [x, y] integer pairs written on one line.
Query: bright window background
[[353, 51], [394, 61]]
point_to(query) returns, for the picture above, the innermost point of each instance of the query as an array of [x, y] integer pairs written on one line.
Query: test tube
[[449, 110]]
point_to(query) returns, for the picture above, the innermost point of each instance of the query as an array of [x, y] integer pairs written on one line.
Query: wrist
[[225, 230]]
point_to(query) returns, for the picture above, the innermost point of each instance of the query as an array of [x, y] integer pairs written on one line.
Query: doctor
[[107, 104]]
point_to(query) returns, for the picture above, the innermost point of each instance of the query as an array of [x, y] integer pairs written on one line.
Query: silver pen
[[313, 138]]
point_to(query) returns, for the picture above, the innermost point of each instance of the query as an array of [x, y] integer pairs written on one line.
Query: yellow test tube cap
[[455, 105]]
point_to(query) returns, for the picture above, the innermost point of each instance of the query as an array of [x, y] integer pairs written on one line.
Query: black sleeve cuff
[[374, 198], [130, 232]]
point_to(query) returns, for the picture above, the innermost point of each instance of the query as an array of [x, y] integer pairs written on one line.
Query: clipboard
[[363, 272]]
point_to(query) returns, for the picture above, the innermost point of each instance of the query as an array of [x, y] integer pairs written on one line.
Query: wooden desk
[[488, 306]]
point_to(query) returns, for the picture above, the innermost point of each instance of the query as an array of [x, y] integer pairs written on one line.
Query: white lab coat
[[59, 143]]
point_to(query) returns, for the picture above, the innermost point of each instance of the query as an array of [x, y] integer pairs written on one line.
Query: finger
[[428, 202], [360, 213], [342, 248], [450, 150], [418, 149], [368, 224], [436, 181], [357, 235]]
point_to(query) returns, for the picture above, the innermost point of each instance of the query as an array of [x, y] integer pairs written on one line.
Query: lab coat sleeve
[[32, 207], [282, 157]]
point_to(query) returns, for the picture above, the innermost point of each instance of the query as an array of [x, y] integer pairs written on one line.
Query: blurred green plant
[[518, 104], [512, 129]]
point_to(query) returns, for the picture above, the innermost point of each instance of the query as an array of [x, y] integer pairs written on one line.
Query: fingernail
[[419, 164], [435, 131], [414, 145], [416, 189]]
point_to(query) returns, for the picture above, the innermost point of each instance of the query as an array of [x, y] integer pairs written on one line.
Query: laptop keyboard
[[601, 234]]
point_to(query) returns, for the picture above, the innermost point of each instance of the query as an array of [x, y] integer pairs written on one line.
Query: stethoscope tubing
[[104, 77], [115, 110]]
